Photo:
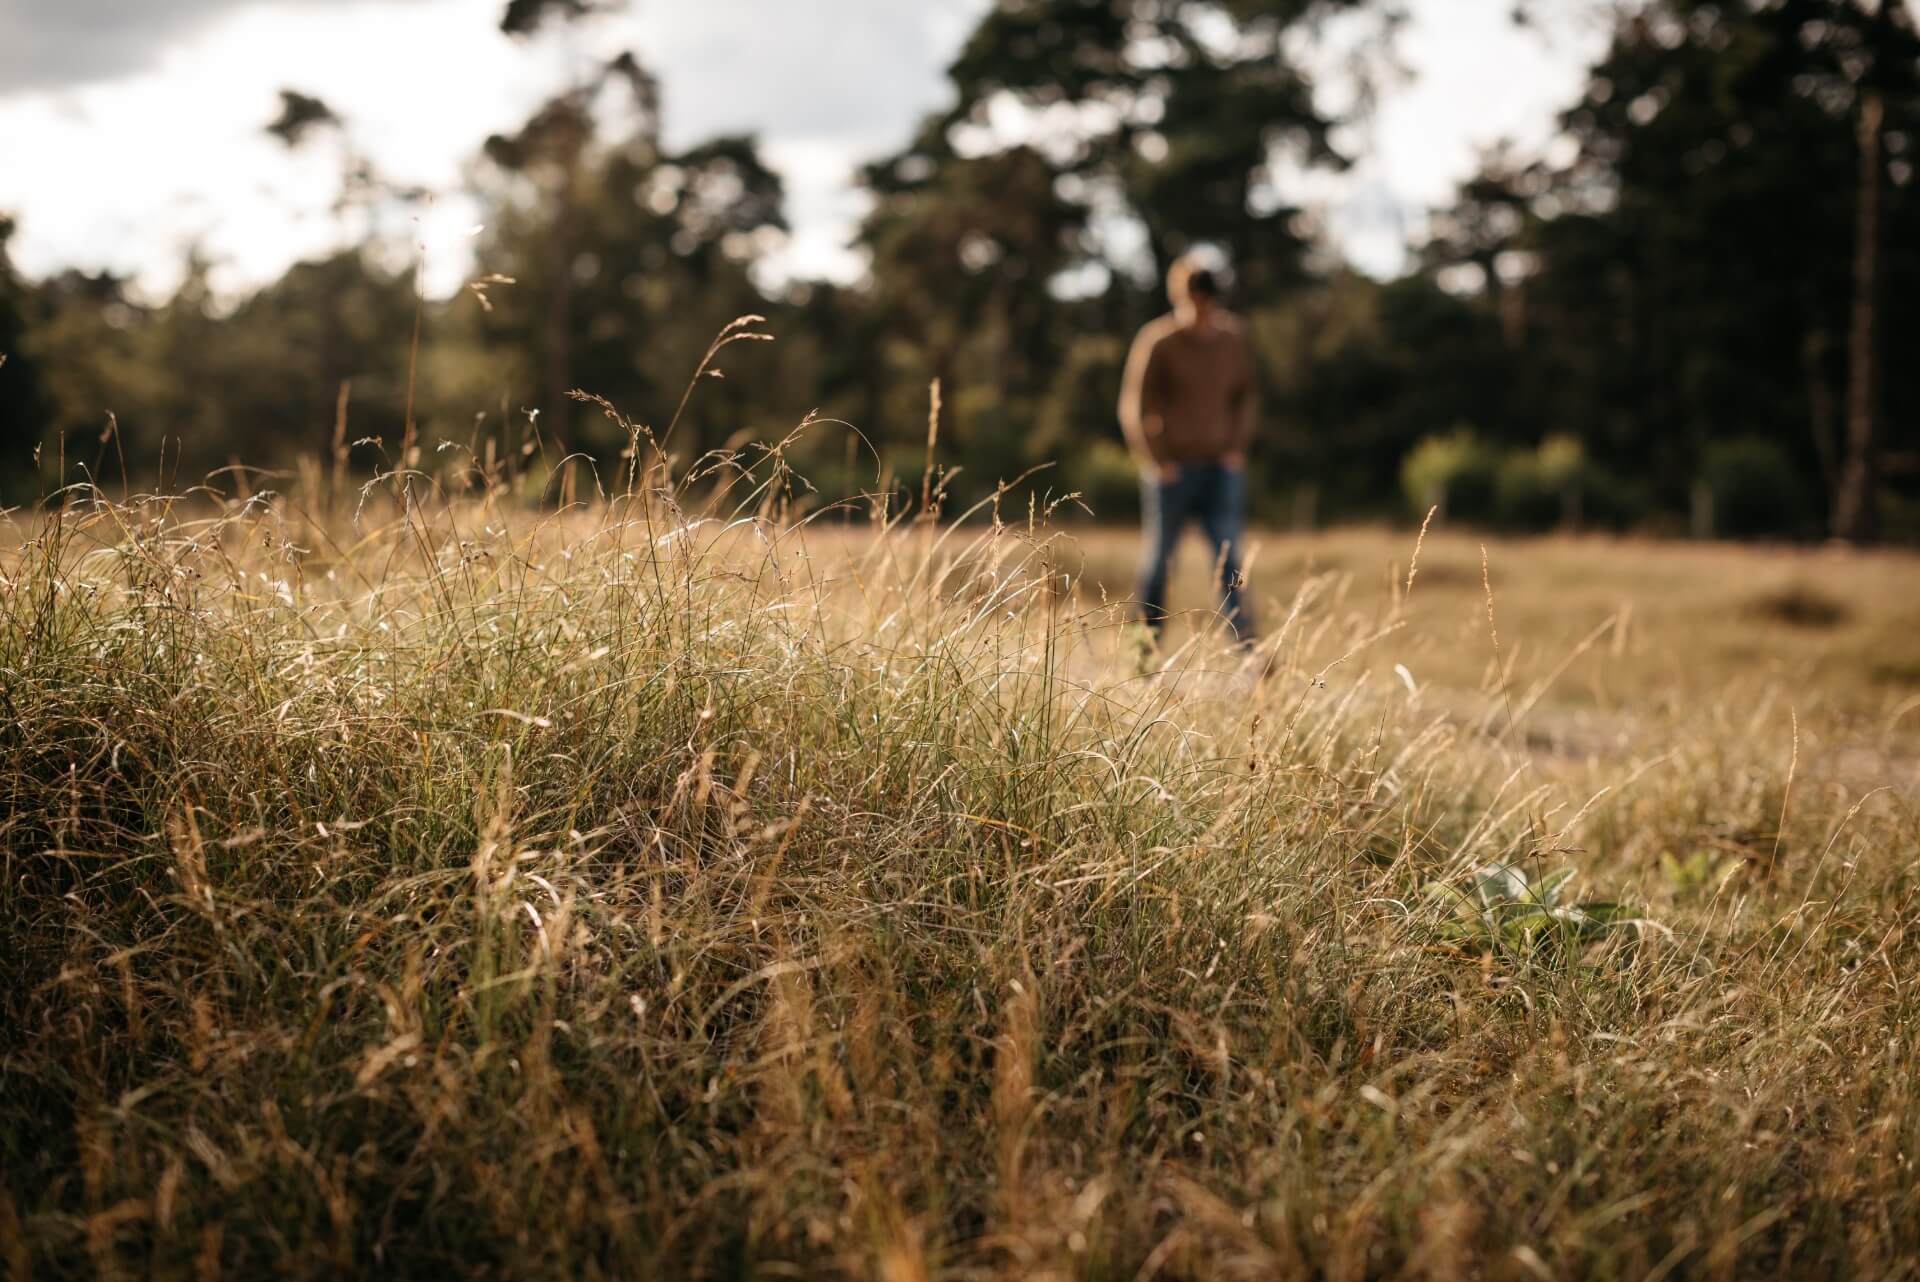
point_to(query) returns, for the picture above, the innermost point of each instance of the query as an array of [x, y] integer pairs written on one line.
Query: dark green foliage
[[1524, 497], [1197, 98], [524, 17], [23, 399], [1685, 280], [1456, 473], [1755, 488], [300, 114], [1670, 295]]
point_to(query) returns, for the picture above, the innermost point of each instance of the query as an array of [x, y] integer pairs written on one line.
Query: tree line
[[1695, 312]]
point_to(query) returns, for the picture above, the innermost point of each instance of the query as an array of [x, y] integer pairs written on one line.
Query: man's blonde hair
[[1191, 278]]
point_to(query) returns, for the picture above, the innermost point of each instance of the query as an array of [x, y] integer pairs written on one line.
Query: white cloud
[[1476, 79], [53, 44], [1481, 79], [827, 84], [859, 72], [823, 208], [121, 173]]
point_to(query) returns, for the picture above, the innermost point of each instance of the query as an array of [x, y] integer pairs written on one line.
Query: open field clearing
[[466, 892], [1614, 648]]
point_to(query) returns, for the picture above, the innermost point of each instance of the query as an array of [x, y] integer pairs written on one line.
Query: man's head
[[1193, 287]]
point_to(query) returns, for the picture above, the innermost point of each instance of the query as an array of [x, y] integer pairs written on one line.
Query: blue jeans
[[1215, 496]]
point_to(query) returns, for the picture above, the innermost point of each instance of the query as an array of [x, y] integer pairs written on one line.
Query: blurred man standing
[[1187, 407]]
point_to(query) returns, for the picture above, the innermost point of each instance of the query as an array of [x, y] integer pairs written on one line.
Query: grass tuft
[[681, 889]]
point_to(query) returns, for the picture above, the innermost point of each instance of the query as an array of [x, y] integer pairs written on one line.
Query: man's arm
[[1140, 401], [1246, 403]]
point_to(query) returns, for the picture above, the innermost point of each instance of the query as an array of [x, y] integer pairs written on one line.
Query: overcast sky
[[130, 127]]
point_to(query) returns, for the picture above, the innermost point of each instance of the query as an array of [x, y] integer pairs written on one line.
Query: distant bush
[[1899, 516], [1562, 462], [1106, 479], [1456, 473], [1756, 488], [1524, 498], [1557, 485], [986, 437]]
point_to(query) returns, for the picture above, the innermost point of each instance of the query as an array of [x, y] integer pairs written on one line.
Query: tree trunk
[[1855, 514]]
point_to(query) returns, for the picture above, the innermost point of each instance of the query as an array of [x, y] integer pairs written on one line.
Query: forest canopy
[[1691, 312]]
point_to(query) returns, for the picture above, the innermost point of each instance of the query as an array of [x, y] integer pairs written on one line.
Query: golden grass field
[[1612, 640], [461, 890]]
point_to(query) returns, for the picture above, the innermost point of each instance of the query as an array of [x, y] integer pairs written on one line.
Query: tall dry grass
[[451, 889]]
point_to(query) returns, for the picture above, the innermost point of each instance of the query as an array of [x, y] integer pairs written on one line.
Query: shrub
[[1455, 472], [1609, 499], [1562, 461], [1755, 487], [1523, 497], [1106, 479], [1558, 485]]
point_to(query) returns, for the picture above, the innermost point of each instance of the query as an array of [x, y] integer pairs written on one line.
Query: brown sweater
[[1188, 397]]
